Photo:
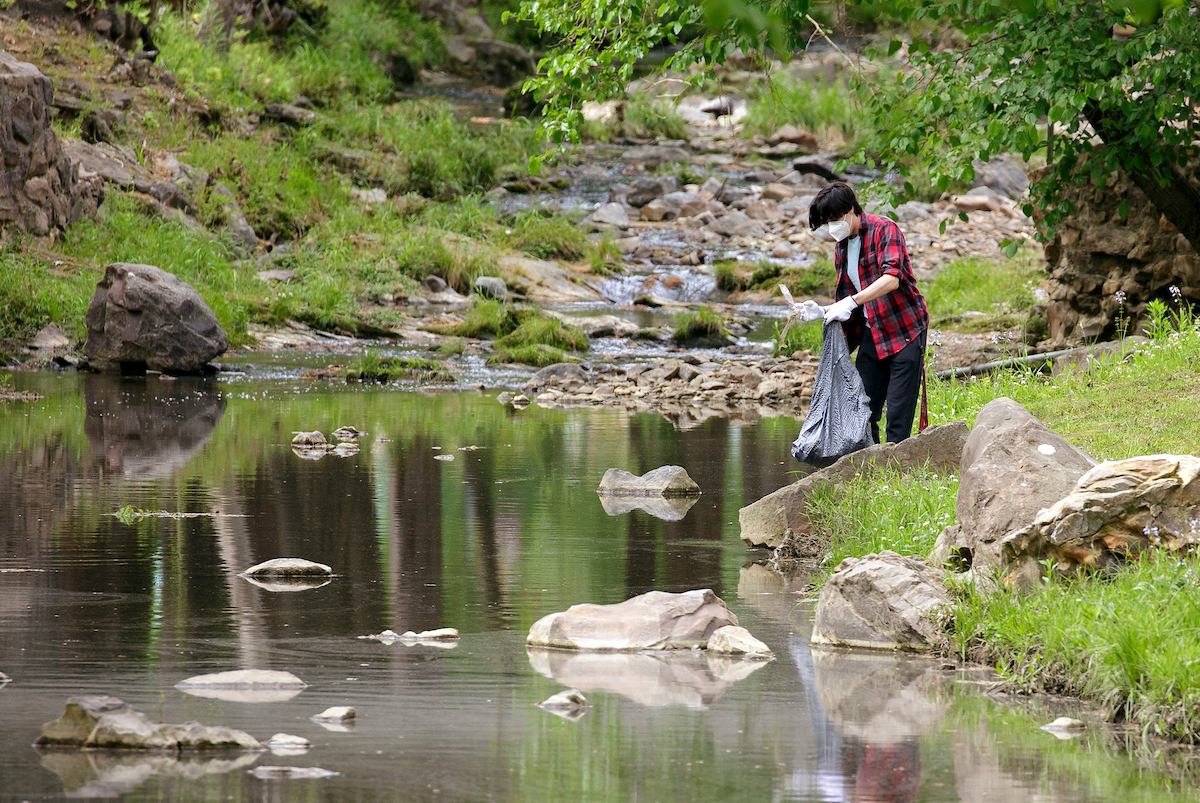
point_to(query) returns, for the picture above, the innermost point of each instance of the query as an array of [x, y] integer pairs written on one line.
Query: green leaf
[[894, 47], [942, 227]]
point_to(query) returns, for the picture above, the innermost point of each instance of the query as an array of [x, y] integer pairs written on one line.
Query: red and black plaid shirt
[[901, 315]]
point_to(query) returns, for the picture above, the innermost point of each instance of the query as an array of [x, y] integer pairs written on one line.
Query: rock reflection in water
[[672, 508], [282, 584], [681, 678], [147, 428], [867, 711], [110, 773]]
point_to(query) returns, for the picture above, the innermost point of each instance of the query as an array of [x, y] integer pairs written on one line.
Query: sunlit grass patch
[[36, 294], [827, 110], [486, 319], [799, 337], [641, 118], [980, 285]]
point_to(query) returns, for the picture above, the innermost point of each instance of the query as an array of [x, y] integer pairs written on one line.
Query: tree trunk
[[1178, 201]]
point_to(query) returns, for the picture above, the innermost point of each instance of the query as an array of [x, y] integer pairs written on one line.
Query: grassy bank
[[1130, 643], [348, 257]]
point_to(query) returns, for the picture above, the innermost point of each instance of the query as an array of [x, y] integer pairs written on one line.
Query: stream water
[[507, 531]]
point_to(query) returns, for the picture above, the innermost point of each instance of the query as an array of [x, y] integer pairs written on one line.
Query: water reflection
[[667, 508], [147, 428], [683, 678], [110, 773], [488, 543]]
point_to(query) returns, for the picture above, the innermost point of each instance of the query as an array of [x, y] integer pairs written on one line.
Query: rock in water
[[569, 704], [108, 722], [338, 713], [662, 481], [314, 438], [1117, 511], [1012, 467], [288, 567], [244, 679], [731, 640], [490, 287], [882, 602], [143, 317], [656, 620]]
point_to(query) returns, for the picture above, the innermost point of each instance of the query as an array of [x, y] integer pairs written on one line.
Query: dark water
[[488, 543]]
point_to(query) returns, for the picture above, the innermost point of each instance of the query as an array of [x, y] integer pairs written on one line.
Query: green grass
[[799, 337], [697, 324], [486, 319], [604, 257], [372, 367], [36, 294], [547, 237], [538, 355], [884, 509], [643, 118], [999, 289], [828, 111], [539, 329]]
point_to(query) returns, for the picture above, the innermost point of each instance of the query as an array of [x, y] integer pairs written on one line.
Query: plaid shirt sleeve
[[895, 319]]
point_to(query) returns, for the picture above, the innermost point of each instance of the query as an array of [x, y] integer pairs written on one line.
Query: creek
[[507, 531]]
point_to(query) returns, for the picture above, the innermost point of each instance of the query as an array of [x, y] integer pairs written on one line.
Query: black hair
[[832, 203]]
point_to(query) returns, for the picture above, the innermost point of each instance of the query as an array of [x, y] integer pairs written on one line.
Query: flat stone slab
[[244, 679]]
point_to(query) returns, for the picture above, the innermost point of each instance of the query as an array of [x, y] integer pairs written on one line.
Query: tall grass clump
[[536, 355], [640, 118], [546, 330], [486, 319], [826, 110], [799, 337], [604, 257], [550, 237], [698, 324], [37, 294]]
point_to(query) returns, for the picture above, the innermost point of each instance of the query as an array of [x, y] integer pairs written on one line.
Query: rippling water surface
[[507, 531]]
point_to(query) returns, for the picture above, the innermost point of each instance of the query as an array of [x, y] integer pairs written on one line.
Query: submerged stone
[[265, 772]]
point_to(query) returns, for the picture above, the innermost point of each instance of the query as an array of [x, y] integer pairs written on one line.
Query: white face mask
[[839, 230]]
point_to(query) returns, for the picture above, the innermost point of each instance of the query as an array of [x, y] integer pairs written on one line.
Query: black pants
[[895, 380]]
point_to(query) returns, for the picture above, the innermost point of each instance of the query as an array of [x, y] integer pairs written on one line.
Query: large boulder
[[767, 521], [1117, 512], [662, 481], [41, 192], [882, 602], [108, 722], [1012, 467], [142, 316], [656, 620]]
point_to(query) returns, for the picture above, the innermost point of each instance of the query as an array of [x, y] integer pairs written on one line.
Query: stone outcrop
[[143, 317], [108, 722], [41, 192], [656, 620], [1012, 467], [1097, 253], [767, 521], [662, 481], [1117, 512], [882, 602]]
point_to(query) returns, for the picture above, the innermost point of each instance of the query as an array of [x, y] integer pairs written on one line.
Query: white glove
[[808, 311], [840, 310]]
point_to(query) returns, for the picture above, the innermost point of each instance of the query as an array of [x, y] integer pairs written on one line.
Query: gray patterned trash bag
[[839, 417]]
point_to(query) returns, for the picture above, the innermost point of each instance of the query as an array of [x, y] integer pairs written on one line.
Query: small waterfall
[[679, 285]]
